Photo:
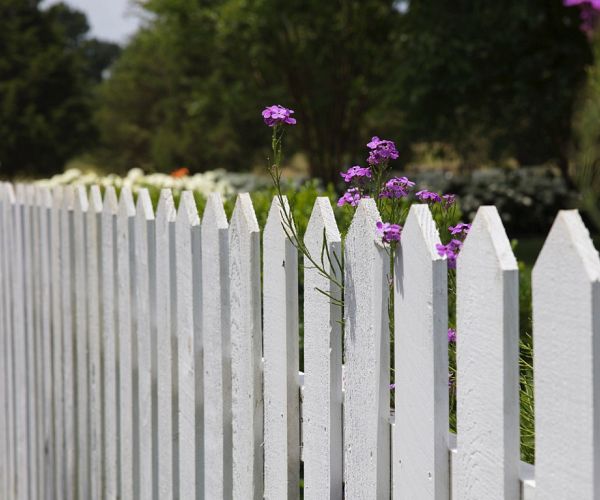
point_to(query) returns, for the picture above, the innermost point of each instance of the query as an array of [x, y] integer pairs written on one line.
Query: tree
[[45, 88]]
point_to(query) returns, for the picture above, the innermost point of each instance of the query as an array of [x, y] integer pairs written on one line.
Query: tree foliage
[[46, 81]]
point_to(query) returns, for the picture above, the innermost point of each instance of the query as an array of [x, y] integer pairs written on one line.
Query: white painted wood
[[57, 352], [144, 267], [367, 364], [217, 350], [166, 346], [79, 259], [20, 349], [420, 442], [125, 292], [8, 200], [109, 344], [281, 359], [322, 394], [487, 363], [566, 327], [69, 342], [30, 341], [93, 254], [246, 351], [188, 287], [4, 355]]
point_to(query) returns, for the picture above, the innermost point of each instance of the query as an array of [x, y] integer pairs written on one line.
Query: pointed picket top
[[43, 197], [214, 213], [9, 192], [187, 214], [244, 218], [420, 467], [111, 204], [126, 204], [566, 328], [276, 225], [95, 200], [487, 363], [20, 192], [322, 218], [366, 340], [165, 211], [80, 203], [488, 226], [68, 197], [144, 209], [30, 194]]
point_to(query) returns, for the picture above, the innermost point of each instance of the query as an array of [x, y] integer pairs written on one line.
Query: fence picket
[[420, 441], [93, 256], [487, 363], [57, 354], [566, 325], [366, 342], [79, 259], [281, 359], [125, 294], [30, 336], [166, 345], [189, 343], [246, 351], [3, 361], [322, 399], [145, 269], [217, 350], [69, 342], [110, 433]]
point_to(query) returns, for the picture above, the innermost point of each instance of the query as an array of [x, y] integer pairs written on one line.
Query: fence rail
[[156, 356]]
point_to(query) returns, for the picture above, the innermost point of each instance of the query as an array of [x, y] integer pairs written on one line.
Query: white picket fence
[[139, 358]]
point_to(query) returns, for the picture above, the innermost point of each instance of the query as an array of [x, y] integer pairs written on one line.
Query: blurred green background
[[496, 101]]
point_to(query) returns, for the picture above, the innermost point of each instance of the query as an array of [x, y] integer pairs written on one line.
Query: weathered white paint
[[30, 341], [145, 269], [246, 351], [322, 394], [93, 256], [69, 343], [109, 344], [80, 209], [188, 286], [217, 350], [20, 349], [487, 363], [166, 345], [57, 355], [281, 354], [125, 293], [566, 327], [5, 354], [420, 441], [367, 359]]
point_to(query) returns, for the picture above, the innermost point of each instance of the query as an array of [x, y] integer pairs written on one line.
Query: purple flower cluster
[[396, 188], [356, 173], [450, 251], [429, 196], [351, 197], [451, 335], [449, 200], [381, 151], [461, 229], [389, 232], [278, 115], [589, 13]]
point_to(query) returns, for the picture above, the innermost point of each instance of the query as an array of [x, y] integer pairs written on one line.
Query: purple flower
[[451, 335], [449, 200], [389, 232], [350, 197], [381, 150], [392, 386], [356, 172], [429, 196], [589, 13], [396, 188], [461, 229], [278, 115], [450, 251]]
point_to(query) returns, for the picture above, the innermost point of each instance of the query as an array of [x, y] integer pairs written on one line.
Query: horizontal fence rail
[[156, 355]]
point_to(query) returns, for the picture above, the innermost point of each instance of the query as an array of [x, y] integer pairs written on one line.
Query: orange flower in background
[[180, 172]]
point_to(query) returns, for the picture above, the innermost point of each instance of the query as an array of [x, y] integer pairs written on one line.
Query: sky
[[112, 20]]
